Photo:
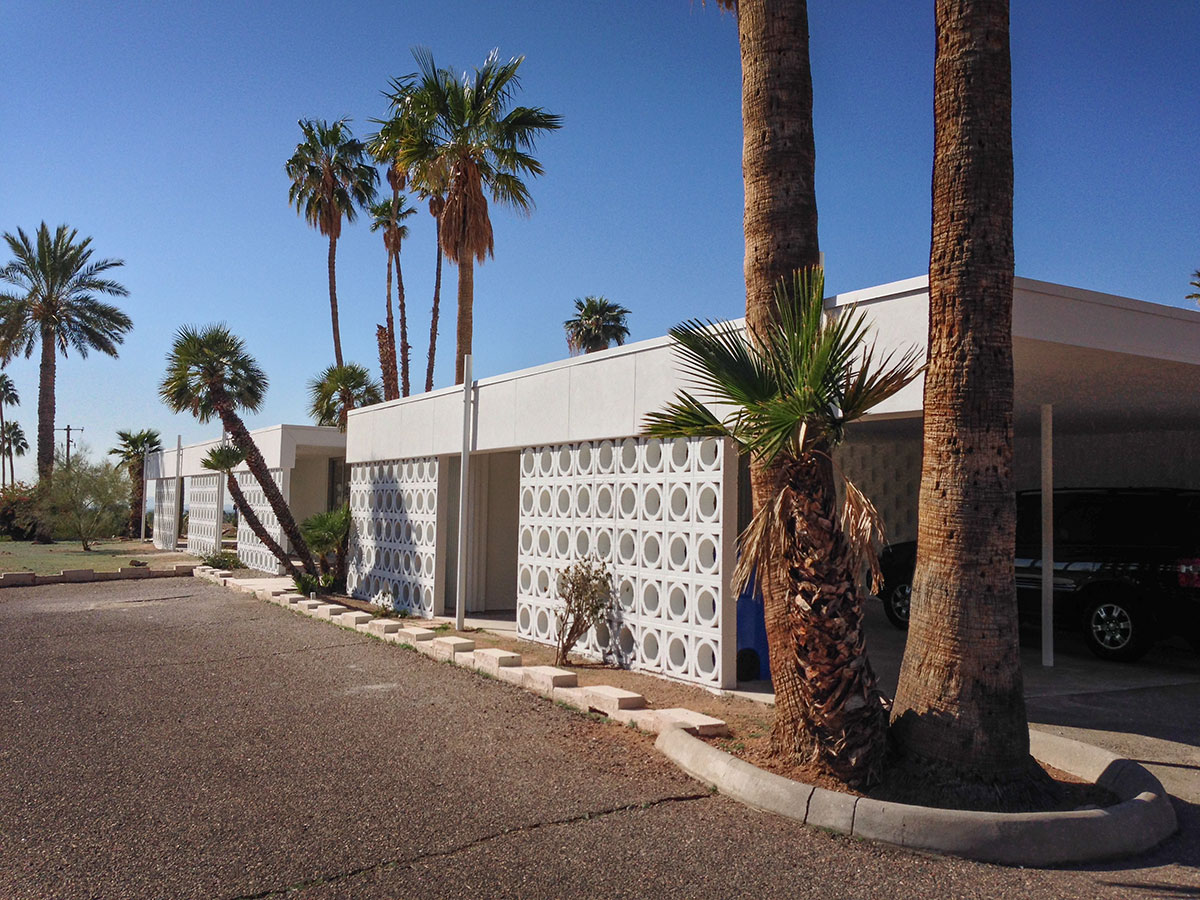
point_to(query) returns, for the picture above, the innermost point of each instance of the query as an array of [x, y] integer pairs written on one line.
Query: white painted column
[[464, 485], [221, 499], [1047, 534], [145, 486], [178, 488]]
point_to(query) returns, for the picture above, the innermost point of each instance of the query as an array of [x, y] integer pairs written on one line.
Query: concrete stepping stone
[[329, 610], [354, 618], [608, 699], [309, 606], [492, 659], [693, 722], [544, 679], [446, 647], [414, 634], [574, 697], [383, 626]]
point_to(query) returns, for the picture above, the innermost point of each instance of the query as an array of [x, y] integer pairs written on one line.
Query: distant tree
[[1195, 282], [209, 373], [331, 179], [389, 216], [131, 453], [8, 397], [224, 459], [87, 500], [14, 444], [340, 389], [464, 127], [597, 324], [57, 305]]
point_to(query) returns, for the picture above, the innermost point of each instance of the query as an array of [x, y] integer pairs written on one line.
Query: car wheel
[[896, 602], [1116, 628]]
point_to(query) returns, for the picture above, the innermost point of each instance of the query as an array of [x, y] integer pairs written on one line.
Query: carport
[[1106, 394]]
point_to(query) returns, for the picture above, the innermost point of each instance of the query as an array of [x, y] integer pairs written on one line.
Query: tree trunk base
[[926, 782]]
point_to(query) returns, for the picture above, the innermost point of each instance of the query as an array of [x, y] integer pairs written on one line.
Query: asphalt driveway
[[175, 739]]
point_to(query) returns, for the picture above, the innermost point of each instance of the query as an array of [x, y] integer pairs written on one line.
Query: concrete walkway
[[174, 739]]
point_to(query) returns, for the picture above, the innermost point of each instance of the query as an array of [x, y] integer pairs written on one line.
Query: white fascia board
[[277, 443]]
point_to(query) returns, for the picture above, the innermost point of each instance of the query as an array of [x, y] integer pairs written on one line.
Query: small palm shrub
[[327, 534], [586, 591], [223, 559]]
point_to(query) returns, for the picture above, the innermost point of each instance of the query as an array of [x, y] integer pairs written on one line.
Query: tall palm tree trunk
[[255, 524], [780, 224], [387, 344], [437, 296], [45, 442], [960, 709], [333, 303], [241, 439], [405, 385], [829, 709], [466, 321]]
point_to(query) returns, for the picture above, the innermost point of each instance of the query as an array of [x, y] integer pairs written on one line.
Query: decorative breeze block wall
[[889, 473], [251, 550], [204, 514], [394, 533], [165, 508], [653, 511]]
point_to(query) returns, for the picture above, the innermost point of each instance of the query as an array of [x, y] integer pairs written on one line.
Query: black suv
[[1126, 567]]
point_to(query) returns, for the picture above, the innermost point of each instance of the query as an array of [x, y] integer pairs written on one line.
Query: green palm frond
[[207, 366], [331, 175], [134, 445], [223, 458], [339, 389]]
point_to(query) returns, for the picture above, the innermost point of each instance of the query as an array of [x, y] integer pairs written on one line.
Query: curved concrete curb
[[1142, 819]]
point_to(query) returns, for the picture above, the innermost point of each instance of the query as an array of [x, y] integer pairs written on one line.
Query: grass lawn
[[105, 556]]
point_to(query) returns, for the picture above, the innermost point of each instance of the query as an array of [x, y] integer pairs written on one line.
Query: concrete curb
[[86, 576], [1143, 818]]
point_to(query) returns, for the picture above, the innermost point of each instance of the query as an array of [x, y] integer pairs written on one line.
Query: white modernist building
[[558, 470], [307, 461]]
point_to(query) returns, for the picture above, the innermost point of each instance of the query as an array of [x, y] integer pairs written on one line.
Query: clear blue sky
[[161, 130]]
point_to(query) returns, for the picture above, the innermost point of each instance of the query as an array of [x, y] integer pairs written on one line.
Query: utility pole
[[68, 430]]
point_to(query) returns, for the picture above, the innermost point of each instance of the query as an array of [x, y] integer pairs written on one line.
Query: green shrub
[[19, 511], [87, 501], [308, 585], [224, 559], [585, 588]]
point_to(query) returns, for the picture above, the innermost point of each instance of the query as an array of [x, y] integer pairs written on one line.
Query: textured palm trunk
[[466, 299], [960, 710], [46, 373], [255, 524], [241, 439], [780, 224], [829, 710], [402, 309], [333, 303], [385, 336], [437, 297]]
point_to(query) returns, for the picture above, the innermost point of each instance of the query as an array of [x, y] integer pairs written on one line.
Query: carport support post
[[460, 582], [1047, 534], [145, 486], [178, 489]]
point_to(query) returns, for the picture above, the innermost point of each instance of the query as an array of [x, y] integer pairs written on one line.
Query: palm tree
[[340, 389], [331, 179], [9, 397], [793, 387], [131, 452], [329, 532], [224, 458], [1195, 282], [388, 216], [209, 373], [58, 306], [959, 716], [466, 128], [13, 443], [597, 323]]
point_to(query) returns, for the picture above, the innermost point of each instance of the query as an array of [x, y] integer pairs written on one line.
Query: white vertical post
[[145, 485], [177, 512], [1047, 534], [221, 501], [460, 582]]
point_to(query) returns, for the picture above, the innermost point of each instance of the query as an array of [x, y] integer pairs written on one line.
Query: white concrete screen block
[[165, 513], [251, 550], [394, 536], [204, 516], [662, 515]]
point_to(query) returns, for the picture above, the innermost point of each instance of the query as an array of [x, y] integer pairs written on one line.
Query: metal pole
[[1047, 534], [220, 548], [177, 513], [145, 484], [460, 584]]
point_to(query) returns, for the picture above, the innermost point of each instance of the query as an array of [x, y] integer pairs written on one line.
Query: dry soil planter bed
[[1141, 819]]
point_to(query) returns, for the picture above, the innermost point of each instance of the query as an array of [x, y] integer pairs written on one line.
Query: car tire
[[1116, 627], [896, 602]]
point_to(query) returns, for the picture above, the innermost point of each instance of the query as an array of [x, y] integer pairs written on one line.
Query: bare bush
[[586, 591]]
